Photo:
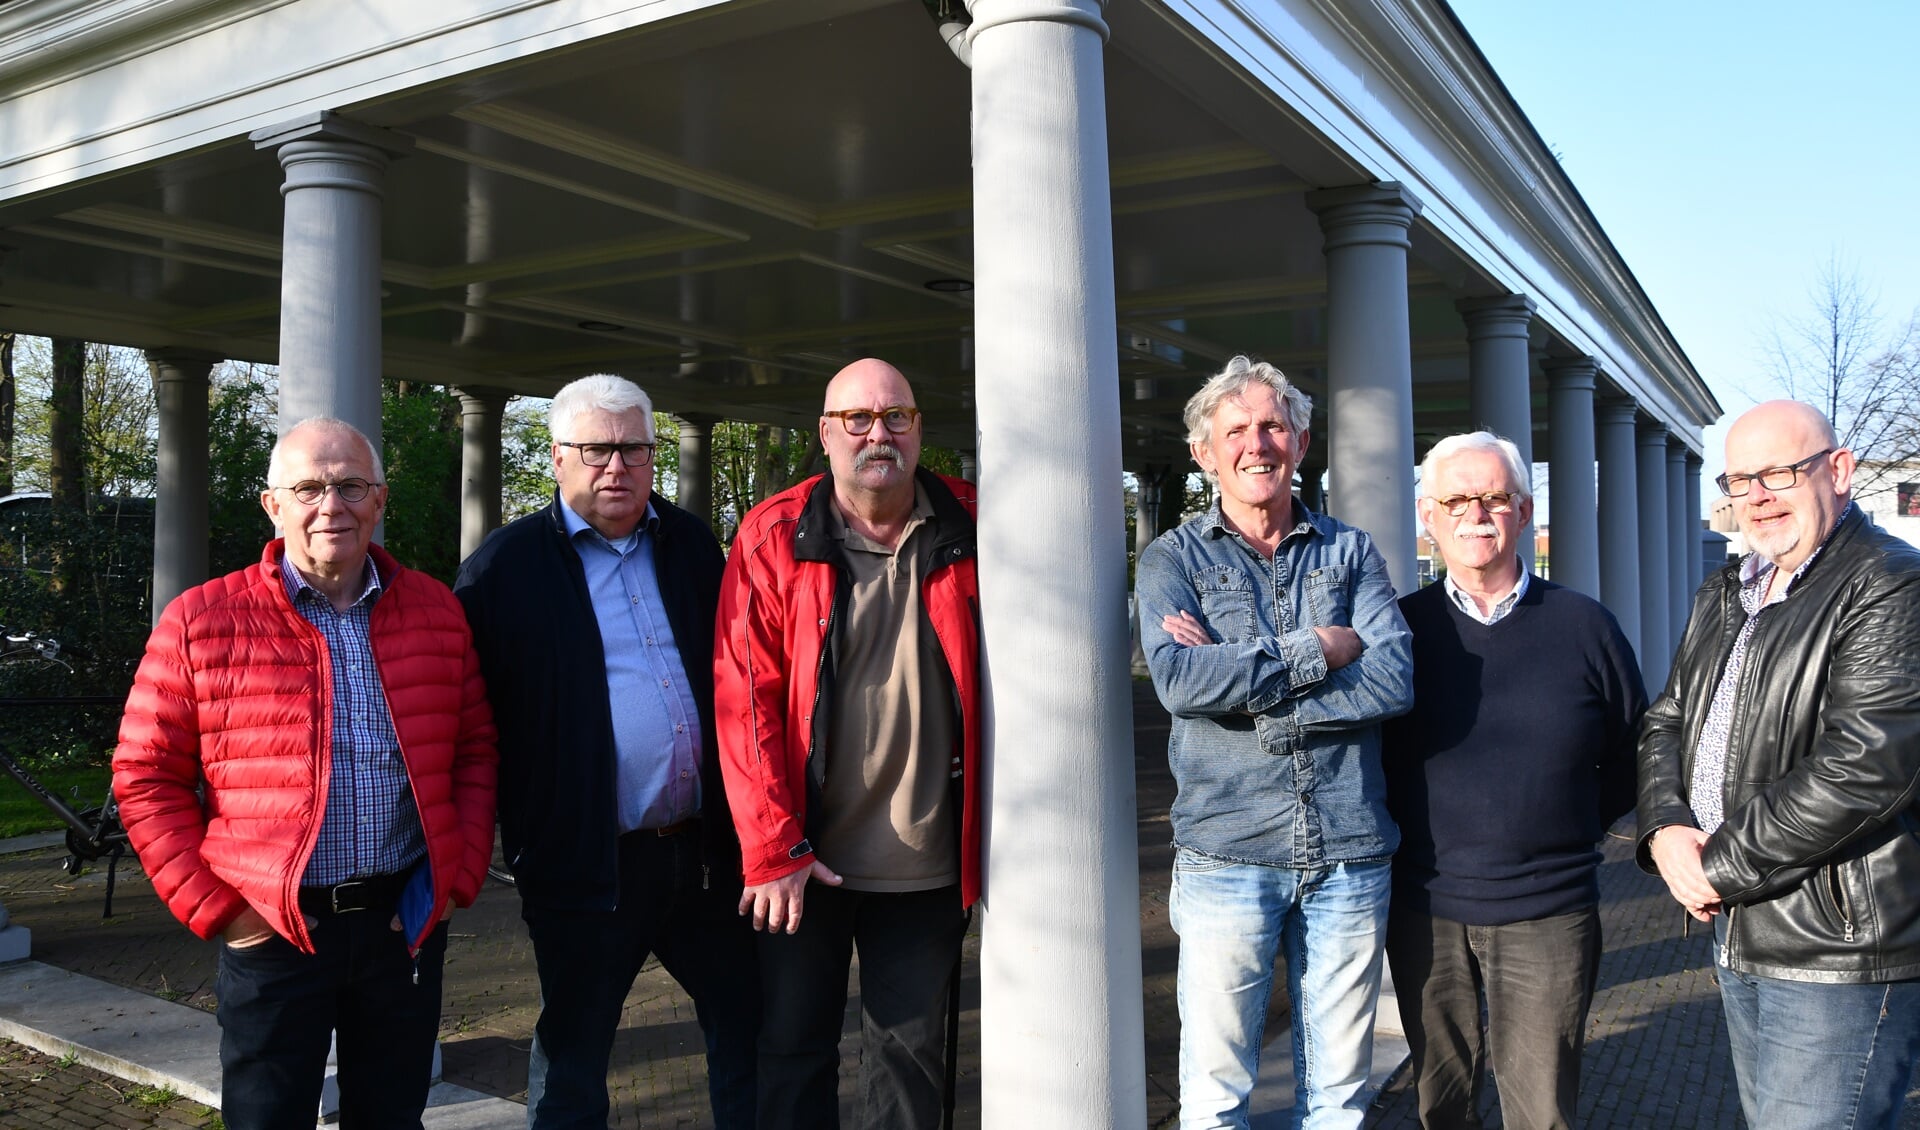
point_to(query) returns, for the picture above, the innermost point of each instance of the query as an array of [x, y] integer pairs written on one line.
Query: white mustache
[[879, 451], [1481, 530]]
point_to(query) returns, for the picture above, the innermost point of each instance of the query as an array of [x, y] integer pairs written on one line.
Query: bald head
[[1786, 522], [873, 469], [857, 386]]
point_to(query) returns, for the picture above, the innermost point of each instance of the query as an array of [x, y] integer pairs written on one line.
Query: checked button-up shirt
[[372, 824]]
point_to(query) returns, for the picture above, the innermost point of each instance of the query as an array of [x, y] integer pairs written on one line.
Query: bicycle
[[93, 833]]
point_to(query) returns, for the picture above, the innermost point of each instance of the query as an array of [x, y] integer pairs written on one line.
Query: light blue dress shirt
[[656, 725]]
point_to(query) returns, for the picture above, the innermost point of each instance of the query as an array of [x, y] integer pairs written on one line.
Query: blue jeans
[[1232, 919], [1812, 1056], [587, 961]]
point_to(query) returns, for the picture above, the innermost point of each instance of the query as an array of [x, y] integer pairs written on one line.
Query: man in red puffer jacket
[[306, 769]]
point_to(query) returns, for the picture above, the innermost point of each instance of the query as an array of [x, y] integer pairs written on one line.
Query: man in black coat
[[594, 622]]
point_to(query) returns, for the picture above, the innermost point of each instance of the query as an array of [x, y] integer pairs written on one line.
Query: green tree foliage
[[241, 424], [420, 438], [526, 458]]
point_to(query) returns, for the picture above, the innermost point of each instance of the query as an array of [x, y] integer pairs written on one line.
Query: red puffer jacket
[[236, 691], [777, 605]]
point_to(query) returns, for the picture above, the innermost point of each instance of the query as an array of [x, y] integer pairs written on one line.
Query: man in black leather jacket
[[1777, 783]]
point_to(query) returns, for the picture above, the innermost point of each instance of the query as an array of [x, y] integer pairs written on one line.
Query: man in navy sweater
[[1517, 756]]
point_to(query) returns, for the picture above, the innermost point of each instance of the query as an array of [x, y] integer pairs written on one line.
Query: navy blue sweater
[[1518, 754]]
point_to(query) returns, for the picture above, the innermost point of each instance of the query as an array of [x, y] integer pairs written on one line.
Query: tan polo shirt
[[886, 822]]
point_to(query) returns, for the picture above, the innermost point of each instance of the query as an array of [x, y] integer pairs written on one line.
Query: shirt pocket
[[1330, 596], [1226, 602]]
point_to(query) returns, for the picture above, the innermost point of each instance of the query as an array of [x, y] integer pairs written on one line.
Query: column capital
[[328, 126], [700, 421], [1089, 14], [1651, 433], [180, 363], [1501, 315], [1616, 411], [1365, 213], [1677, 449], [481, 398], [1695, 461], [1571, 372]]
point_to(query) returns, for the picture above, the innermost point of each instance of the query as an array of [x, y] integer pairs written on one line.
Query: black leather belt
[[381, 892]]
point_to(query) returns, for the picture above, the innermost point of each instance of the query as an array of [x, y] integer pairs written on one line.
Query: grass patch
[[21, 812], [149, 1096]]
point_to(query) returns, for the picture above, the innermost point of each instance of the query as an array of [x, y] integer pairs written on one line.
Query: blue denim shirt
[[1277, 759]]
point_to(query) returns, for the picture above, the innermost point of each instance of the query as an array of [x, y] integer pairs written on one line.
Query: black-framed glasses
[[1773, 478], [601, 454], [310, 491], [859, 421], [1493, 501]]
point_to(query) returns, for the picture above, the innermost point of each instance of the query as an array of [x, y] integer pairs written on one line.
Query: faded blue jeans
[[1233, 919], [1811, 1056]]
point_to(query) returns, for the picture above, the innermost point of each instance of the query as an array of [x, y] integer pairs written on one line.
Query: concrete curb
[[161, 1044]]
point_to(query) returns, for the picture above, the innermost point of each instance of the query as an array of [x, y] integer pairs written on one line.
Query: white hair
[[1519, 475], [602, 392], [329, 425], [1233, 381]]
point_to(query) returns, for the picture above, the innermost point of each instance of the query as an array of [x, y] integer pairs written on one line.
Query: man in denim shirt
[[1275, 642]]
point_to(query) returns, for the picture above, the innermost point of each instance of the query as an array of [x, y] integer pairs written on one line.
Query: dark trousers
[[587, 961], [1538, 979], [909, 947], [279, 1007]]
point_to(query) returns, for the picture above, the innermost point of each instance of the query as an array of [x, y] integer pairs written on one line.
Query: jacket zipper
[[1840, 900], [413, 944], [1726, 948]]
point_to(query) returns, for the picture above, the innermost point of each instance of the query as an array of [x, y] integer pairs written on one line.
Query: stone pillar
[[969, 465], [1370, 367], [1619, 500], [1656, 613], [1061, 1030], [330, 267], [695, 485], [1683, 544], [1498, 364], [481, 410], [1575, 507], [1696, 543], [180, 477]]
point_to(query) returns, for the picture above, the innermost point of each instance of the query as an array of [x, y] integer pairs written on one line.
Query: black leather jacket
[[1818, 863]]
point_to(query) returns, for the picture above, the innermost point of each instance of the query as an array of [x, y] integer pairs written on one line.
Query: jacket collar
[[1305, 523], [954, 535], [384, 564]]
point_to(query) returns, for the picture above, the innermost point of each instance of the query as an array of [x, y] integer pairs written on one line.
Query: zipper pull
[[704, 875], [416, 969], [1849, 930]]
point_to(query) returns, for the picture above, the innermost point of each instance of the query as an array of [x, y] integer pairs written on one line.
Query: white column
[[1619, 502], [1061, 1028], [1498, 364], [330, 267], [1370, 367], [1575, 548], [1697, 550], [1683, 544], [1650, 472], [695, 485], [180, 476], [480, 413]]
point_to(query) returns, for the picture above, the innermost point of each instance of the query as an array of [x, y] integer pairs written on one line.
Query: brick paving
[[40, 1092], [1656, 1048]]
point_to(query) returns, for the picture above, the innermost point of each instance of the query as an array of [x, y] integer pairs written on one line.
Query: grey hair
[[1519, 475], [330, 425], [602, 392], [1233, 381]]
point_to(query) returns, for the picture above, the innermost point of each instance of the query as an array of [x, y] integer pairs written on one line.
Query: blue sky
[[1729, 150]]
